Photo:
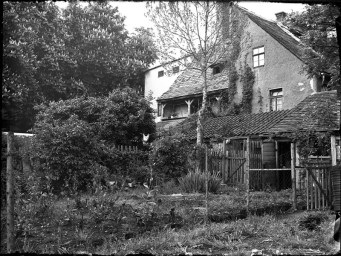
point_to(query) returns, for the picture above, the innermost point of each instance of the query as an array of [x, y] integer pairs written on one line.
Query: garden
[[83, 193]]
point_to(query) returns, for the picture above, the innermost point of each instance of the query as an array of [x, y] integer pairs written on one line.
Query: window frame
[[160, 73], [258, 54], [275, 98], [216, 69], [176, 69]]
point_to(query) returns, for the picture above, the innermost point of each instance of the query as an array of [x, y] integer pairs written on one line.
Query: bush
[[194, 182], [75, 139], [170, 160]]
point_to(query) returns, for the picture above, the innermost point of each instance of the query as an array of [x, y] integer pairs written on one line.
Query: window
[[175, 69], [258, 57], [276, 99], [216, 70], [160, 73]]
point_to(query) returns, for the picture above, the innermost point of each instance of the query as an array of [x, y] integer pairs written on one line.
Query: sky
[[135, 11]]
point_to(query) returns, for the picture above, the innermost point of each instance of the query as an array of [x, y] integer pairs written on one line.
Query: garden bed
[[136, 223]]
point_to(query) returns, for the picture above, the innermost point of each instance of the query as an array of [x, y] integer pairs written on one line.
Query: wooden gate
[[235, 160], [316, 182]]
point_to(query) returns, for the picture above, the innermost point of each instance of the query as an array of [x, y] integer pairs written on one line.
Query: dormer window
[[258, 57], [160, 73], [216, 70], [176, 69]]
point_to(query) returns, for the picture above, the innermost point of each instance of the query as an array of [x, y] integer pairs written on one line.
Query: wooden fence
[[315, 182], [126, 148]]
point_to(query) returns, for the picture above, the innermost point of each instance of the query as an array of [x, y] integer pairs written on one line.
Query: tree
[[193, 30], [316, 28], [75, 138], [33, 59], [51, 56], [106, 56]]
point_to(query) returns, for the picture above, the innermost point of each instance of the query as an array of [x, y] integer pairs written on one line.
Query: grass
[[132, 222]]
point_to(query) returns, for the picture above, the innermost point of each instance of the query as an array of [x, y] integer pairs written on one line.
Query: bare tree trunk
[[200, 129], [9, 193]]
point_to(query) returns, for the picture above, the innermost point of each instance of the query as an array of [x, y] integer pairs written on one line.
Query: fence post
[[333, 149], [9, 192], [224, 161], [247, 173], [206, 181], [293, 175]]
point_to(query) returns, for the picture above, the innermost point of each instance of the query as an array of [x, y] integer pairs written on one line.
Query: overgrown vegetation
[[133, 222], [195, 182]]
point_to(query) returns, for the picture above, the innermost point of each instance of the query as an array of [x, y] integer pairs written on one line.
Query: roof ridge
[[264, 24]]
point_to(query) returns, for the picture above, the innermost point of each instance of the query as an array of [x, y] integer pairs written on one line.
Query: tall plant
[[193, 34]]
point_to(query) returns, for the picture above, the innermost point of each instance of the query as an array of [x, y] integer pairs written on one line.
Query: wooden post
[[333, 149], [293, 176], [224, 161], [9, 193], [247, 173], [189, 102], [163, 105], [206, 182]]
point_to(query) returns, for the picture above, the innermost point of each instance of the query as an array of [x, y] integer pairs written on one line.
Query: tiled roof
[[300, 117], [240, 125], [190, 83], [319, 111], [279, 33]]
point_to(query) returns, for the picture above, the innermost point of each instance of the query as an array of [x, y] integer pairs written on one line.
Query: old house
[[268, 49], [256, 135], [158, 79]]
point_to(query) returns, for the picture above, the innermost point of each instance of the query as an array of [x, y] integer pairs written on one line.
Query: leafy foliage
[[75, 138], [49, 55], [248, 80], [170, 160], [316, 28]]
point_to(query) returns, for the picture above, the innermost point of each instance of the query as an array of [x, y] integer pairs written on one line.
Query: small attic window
[[216, 70], [160, 73], [258, 57], [176, 69]]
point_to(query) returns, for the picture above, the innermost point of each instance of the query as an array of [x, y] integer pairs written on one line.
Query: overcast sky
[[135, 11]]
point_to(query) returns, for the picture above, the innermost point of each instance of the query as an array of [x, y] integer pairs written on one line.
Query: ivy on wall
[[235, 31], [248, 80]]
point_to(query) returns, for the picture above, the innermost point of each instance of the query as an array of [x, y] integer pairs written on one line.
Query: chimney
[[280, 16]]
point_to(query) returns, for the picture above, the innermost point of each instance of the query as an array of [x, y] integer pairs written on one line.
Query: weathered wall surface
[[158, 85], [282, 69]]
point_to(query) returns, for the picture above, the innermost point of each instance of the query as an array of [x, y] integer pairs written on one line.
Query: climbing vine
[[260, 100], [236, 29], [248, 80]]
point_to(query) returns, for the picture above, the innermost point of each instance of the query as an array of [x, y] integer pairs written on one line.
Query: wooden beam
[[9, 193], [333, 149], [247, 174], [189, 102], [272, 169], [293, 175]]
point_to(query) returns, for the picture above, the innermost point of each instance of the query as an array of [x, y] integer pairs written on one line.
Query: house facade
[[268, 49], [158, 80]]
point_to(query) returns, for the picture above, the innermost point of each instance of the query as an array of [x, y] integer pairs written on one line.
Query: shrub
[[194, 182], [74, 142], [170, 160]]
